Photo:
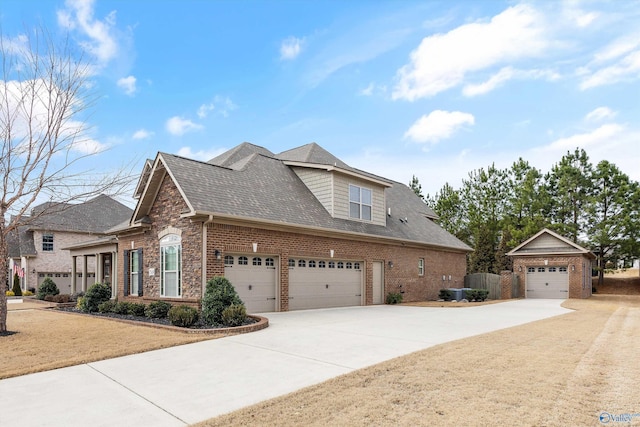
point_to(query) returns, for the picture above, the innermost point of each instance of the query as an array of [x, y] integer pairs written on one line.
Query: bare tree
[[45, 97]]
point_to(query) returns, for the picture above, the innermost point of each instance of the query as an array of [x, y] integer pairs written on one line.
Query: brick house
[[40, 246], [550, 266], [295, 230]]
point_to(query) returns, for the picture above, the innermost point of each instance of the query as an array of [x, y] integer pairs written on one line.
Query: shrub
[[17, 290], [477, 294], [76, 296], [60, 299], [107, 306], [32, 290], [218, 295], [27, 294], [136, 309], [49, 298], [121, 307], [234, 315], [157, 309], [48, 287], [183, 316], [394, 298], [9, 293], [95, 295], [446, 294], [80, 303]]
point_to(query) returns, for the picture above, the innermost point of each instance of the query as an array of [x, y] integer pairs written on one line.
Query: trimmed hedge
[[157, 310], [234, 315], [183, 316]]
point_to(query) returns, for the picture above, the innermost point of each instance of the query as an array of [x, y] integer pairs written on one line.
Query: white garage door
[[63, 281], [317, 283], [254, 278], [547, 282]]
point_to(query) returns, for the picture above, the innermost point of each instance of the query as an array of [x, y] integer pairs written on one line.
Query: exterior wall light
[[217, 254], [390, 263]]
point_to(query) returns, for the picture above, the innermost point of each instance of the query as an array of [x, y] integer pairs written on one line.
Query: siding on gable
[[341, 198], [547, 241], [320, 183]]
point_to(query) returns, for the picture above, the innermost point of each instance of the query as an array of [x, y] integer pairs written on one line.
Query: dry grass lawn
[[47, 339], [562, 371]]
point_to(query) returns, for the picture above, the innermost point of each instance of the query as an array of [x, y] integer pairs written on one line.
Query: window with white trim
[[420, 266], [171, 266], [134, 268], [47, 242], [360, 202]]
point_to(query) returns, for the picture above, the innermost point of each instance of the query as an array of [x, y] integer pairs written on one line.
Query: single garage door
[[547, 282], [254, 278], [323, 283]]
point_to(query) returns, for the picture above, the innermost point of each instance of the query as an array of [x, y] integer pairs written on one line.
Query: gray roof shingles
[[262, 187]]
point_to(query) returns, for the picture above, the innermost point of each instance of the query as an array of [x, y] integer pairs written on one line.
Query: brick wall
[[402, 277], [579, 271]]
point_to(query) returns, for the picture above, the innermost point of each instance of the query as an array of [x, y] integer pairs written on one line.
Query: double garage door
[[547, 282], [323, 283], [313, 283]]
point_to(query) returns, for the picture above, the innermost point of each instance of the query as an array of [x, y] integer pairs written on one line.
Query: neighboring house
[[295, 230], [551, 266], [41, 245]]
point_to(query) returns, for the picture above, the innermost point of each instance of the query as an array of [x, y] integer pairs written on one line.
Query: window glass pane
[[243, 260], [312, 264], [257, 261], [349, 265], [292, 262], [366, 196], [170, 258], [228, 260], [354, 210], [301, 263], [540, 269], [171, 284], [354, 194], [531, 270], [340, 264], [269, 262], [322, 264], [332, 264], [356, 265], [366, 212]]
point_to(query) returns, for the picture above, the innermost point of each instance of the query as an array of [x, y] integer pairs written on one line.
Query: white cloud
[[597, 137], [101, 41], [368, 91], [223, 105], [128, 84], [438, 125], [442, 61], [142, 134], [290, 48], [178, 126], [626, 69], [204, 155], [505, 74], [600, 113]]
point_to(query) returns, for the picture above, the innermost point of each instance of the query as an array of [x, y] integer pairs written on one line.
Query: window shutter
[[125, 276], [140, 268]]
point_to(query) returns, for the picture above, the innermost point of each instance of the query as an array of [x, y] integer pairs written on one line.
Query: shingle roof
[[263, 187], [94, 216], [238, 153]]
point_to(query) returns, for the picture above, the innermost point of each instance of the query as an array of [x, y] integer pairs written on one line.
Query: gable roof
[[93, 216], [547, 242], [264, 188]]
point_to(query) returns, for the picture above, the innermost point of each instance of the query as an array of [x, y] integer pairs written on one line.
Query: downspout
[[204, 253]]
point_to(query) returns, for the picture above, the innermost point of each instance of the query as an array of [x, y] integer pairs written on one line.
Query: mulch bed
[[144, 319]]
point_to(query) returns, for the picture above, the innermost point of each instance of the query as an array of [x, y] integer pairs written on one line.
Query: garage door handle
[[271, 298]]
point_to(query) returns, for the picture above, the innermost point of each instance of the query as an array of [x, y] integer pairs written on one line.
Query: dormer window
[[359, 203]]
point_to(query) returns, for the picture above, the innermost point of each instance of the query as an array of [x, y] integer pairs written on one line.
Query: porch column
[[74, 275], [84, 273], [99, 269], [114, 274]]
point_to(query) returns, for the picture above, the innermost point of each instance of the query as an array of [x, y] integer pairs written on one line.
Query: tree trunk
[[4, 274]]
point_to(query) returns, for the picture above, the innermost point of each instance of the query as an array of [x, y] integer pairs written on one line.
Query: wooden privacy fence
[[488, 281]]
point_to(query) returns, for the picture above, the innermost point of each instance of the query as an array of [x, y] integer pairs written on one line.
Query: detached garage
[[551, 266]]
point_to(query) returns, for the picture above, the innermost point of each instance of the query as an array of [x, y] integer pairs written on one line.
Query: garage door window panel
[[312, 264], [243, 260], [292, 262], [228, 260], [257, 261]]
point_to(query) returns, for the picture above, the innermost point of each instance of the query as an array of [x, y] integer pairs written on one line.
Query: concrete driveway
[[194, 382]]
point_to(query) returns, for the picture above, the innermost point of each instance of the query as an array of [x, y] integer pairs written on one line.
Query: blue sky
[[434, 89]]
